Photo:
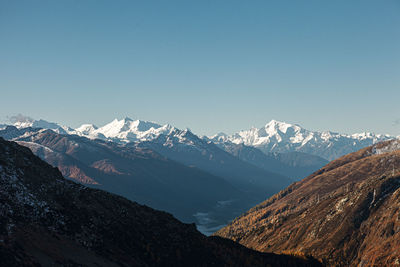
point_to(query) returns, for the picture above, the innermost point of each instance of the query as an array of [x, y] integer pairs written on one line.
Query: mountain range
[[272, 139], [163, 166], [213, 189], [283, 137], [47, 220], [135, 173], [275, 136], [344, 213]]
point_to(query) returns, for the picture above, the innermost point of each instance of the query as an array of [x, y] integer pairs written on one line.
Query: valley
[[47, 220], [171, 169], [199, 133], [219, 185]]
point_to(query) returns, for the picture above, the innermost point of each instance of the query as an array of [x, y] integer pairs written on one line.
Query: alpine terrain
[[138, 174], [345, 214], [283, 137], [208, 180], [176, 172], [47, 220]]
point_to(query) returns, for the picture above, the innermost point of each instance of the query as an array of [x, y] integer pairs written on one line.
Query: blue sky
[[208, 65]]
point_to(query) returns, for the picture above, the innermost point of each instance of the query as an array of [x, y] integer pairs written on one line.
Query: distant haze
[[210, 66]]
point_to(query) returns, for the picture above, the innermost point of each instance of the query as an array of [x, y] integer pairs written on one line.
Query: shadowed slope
[[295, 165], [138, 174]]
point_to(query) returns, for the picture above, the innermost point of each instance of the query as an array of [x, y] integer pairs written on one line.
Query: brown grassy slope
[[346, 213]]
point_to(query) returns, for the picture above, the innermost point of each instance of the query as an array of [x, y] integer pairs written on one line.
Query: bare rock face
[[50, 221], [347, 213]]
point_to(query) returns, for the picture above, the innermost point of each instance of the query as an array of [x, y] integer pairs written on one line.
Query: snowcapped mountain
[[22, 122], [185, 147], [125, 130], [276, 137], [180, 164], [257, 162], [86, 129], [122, 131], [283, 137]]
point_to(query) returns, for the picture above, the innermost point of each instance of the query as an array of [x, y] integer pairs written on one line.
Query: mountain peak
[[126, 119], [274, 122], [274, 127], [86, 129], [120, 121], [281, 137], [279, 124], [21, 121]]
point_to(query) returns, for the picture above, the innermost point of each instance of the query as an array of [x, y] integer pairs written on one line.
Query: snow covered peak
[[179, 139], [123, 130], [24, 122], [275, 136], [276, 124], [113, 128], [219, 136], [127, 128], [86, 129], [21, 121], [366, 135], [283, 137], [274, 127]]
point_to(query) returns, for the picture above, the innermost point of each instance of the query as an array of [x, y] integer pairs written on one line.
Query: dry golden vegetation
[[347, 213]]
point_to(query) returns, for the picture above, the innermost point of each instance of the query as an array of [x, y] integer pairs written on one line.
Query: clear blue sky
[[208, 65]]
